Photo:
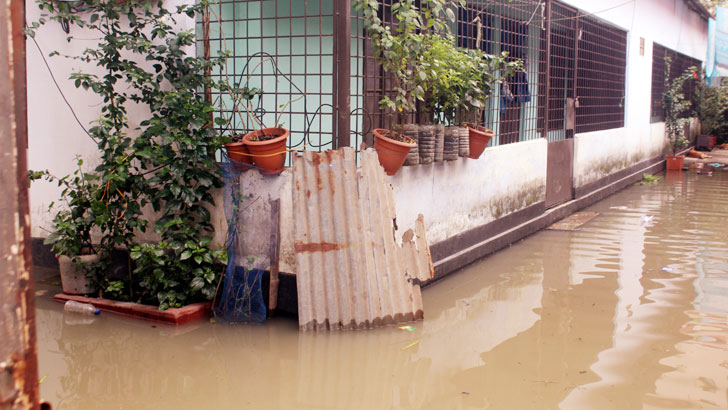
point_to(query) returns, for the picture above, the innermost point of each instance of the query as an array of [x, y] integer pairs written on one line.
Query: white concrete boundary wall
[[464, 194], [667, 22]]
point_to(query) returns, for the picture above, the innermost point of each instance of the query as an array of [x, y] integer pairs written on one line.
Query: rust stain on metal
[[341, 286], [318, 247]]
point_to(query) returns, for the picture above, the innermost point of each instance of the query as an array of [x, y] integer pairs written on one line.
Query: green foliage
[[673, 100], [427, 66], [170, 165], [176, 274], [401, 48], [81, 192], [713, 111]]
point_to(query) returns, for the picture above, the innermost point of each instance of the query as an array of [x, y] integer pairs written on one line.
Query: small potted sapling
[[674, 103], [265, 146], [71, 236]]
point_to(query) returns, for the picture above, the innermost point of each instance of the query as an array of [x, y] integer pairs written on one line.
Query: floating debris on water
[[415, 343], [646, 219], [408, 328], [667, 269]]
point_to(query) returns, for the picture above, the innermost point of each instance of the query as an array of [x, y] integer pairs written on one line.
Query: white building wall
[[455, 196], [669, 23], [54, 137]]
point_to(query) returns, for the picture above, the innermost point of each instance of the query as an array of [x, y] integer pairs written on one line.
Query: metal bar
[[18, 351], [546, 115], [342, 73]]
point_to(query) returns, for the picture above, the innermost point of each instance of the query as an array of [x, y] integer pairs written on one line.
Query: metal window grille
[[561, 69], [600, 72], [515, 27], [680, 63], [324, 62], [286, 49]]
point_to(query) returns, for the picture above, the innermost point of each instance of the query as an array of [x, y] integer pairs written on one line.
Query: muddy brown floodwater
[[630, 312]]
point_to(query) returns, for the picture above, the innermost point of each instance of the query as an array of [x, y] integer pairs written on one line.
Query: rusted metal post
[[18, 356], [342, 73]]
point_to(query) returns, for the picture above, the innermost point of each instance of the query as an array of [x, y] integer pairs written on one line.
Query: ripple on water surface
[[629, 312]]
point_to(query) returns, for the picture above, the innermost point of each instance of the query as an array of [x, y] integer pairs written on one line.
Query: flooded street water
[[630, 312]]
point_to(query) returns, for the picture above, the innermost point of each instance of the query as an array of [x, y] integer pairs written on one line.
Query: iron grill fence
[[680, 63], [601, 64], [315, 65], [286, 49]]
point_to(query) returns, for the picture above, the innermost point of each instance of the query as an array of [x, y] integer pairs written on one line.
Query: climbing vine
[[143, 60]]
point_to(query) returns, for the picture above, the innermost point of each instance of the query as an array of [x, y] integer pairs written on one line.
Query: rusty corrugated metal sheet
[[351, 272]]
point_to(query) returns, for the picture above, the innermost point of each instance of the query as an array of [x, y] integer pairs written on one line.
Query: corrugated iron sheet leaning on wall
[[351, 272]]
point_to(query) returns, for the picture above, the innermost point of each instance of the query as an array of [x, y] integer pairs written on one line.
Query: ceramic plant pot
[[73, 279], [391, 152], [479, 139], [238, 152], [675, 162], [268, 154]]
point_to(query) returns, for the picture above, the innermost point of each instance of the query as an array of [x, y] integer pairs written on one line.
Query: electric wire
[[53, 77]]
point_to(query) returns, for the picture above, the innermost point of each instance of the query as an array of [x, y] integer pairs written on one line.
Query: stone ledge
[[173, 316]]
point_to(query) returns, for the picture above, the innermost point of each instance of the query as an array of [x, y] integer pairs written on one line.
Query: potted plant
[[400, 51], [265, 146], [236, 149], [485, 72], [674, 103], [71, 235], [712, 110], [446, 87]]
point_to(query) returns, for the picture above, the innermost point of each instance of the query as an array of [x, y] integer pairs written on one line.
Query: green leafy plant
[[174, 277], [446, 78], [673, 100], [712, 110], [485, 72], [73, 224], [401, 48], [169, 165]]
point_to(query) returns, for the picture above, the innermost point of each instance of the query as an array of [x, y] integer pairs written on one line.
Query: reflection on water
[[630, 312]]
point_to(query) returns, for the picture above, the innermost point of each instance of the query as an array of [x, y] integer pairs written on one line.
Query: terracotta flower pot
[[674, 162], [479, 139], [238, 152], [74, 280], [268, 155], [391, 152]]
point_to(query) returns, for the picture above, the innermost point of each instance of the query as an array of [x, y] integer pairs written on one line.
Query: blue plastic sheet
[[716, 63]]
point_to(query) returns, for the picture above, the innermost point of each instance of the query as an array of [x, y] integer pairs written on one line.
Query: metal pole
[[548, 69], [342, 73], [18, 355]]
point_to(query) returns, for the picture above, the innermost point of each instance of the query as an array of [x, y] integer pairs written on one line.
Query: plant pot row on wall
[[425, 144]]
